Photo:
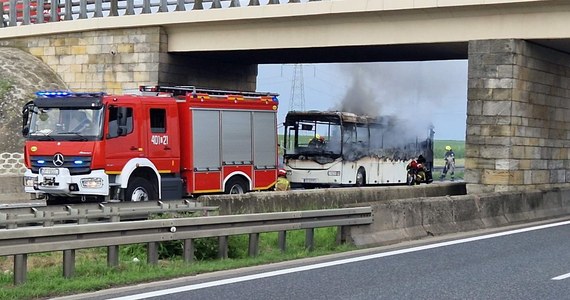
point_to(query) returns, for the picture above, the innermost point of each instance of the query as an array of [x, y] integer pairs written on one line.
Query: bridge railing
[[26, 12]]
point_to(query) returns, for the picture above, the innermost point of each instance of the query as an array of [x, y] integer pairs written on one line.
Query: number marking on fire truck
[[159, 139]]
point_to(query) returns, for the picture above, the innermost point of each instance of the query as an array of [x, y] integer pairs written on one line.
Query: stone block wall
[[117, 60], [518, 117]]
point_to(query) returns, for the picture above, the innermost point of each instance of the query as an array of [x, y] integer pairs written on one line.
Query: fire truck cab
[[163, 143]]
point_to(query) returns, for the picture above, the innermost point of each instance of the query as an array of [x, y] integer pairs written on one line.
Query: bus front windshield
[[313, 138], [65, 124]]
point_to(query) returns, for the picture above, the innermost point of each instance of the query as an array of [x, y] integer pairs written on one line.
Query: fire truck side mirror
[[26, 118]]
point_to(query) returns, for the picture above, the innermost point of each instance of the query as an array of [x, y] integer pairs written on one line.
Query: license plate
[[49, 171], [310, 180]]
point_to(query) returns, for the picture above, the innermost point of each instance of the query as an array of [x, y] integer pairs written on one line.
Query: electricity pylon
[[297, 101]]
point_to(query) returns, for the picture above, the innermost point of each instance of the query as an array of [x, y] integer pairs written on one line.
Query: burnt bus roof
[[334, 116]]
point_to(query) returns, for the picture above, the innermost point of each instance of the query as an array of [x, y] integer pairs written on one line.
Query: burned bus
[[327, 149]]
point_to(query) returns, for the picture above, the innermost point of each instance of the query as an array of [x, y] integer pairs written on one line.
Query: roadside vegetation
[[91, 274]]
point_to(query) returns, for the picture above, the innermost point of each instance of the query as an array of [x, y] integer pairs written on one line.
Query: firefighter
[[282, 182], [416, 169], [318, 141], [449, 159]]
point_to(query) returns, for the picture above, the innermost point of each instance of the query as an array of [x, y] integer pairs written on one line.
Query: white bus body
[[356, 150]]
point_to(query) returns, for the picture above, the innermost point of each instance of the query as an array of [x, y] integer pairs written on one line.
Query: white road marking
[[336, 263], [564, 276]]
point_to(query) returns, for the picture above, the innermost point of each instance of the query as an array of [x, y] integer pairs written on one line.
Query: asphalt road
[[530, 263]]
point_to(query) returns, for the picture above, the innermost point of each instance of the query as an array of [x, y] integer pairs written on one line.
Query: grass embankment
[[92, 274]]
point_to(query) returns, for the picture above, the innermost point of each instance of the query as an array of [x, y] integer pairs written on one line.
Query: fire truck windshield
[[65, 124]]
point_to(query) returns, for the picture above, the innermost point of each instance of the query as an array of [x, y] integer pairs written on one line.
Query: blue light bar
[[41, 161], [52, 94], [78, 162], [275, 99]]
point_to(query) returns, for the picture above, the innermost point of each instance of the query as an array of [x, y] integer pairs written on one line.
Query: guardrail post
[[2, 13], [12, 13], [341, 234], [180, 5], [26, 12], [223, 247], [54, 11], [68, 263], [253, 244], [294, 1], [113, 251], [10, 222], [273, 2], [198, 5], [234, 3], [48, 221], [188, 251], [310, 239], [163, 6], [20, 268], [282, 240], [68, 10], [40, 11], [82, 9], [253, 2], [98, 9], [130, 8], [146, 7], [114, 9], [216, 4], [152, 253]]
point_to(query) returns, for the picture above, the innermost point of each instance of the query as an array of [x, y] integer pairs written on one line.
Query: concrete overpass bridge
[[518, 123]]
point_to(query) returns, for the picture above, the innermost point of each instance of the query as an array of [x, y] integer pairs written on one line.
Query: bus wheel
[[140, 190], [235, 186], [360, 177]]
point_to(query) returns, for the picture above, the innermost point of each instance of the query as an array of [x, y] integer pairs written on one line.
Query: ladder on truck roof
[[183, 90]]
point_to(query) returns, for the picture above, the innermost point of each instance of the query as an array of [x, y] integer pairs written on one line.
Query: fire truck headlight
[[92, 183], [333, 173], [30, 181]]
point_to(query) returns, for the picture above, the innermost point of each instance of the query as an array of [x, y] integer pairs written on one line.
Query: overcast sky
[[419, 92]]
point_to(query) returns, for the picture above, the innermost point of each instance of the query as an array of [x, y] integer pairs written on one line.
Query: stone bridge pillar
[[518, 117]]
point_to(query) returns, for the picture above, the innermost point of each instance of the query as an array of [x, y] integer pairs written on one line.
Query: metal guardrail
[[81, 213], [25, 12], [67, 238]]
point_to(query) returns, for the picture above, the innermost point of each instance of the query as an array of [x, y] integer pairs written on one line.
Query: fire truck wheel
[[235, 186], [360, 177], [140, 189]]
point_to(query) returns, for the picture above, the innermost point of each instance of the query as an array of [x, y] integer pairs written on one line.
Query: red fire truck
[[163, 143]]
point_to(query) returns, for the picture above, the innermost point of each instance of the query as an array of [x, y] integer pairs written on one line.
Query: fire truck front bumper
[[58, 181]]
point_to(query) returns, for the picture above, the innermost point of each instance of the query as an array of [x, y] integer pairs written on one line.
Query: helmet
[[447, 148], [282, 173], [317, 136]]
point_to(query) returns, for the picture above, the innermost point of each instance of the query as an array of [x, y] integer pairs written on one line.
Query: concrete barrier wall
[[11, 188], [409, 219], [260, 202]]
